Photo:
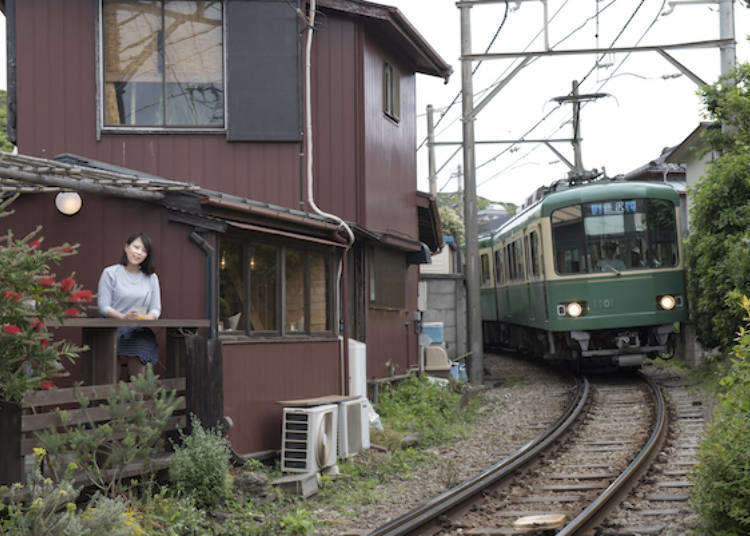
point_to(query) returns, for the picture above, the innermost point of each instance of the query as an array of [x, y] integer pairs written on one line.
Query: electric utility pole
[[726, 31], [431, 150], [475, 360]]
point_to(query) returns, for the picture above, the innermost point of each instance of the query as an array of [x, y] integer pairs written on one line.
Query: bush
[[718, 247], [138, 413], [170, 516], [432, 410], [30, 296], [51, 510], [199, 468], [722, 477]]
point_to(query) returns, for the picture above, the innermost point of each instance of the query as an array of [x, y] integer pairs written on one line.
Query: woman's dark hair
[[147, 266]]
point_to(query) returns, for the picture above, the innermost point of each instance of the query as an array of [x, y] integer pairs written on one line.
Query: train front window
[[628, 234]]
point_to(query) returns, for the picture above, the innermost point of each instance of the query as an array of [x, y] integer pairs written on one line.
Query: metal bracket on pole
[[560, 156], [504, 82], [684, 70]]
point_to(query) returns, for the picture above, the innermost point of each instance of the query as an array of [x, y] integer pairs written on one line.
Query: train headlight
[[667, 302], [574, 309]]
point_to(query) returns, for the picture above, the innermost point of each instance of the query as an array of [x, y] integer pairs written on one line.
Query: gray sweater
[[122, 291]]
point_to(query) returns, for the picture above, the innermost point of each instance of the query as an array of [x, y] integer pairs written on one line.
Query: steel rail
[[458, 495], [604, 499]]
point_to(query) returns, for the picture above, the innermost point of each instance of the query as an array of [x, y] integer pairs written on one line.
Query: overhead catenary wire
[[502, 75], [601, 86], [559, 105]]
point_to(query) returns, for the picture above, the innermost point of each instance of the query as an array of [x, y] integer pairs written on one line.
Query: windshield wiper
[[615, 270]]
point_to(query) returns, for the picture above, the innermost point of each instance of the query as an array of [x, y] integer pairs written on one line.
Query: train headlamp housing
[[572, 309], [666, 302]]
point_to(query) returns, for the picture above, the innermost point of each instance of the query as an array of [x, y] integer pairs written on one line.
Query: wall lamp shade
[[68, 202]]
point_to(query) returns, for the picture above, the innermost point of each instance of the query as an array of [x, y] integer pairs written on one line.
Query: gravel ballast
[[522, 399]]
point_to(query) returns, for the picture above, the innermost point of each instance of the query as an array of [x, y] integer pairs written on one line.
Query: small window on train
[[498, 267], [526, 253], [534, 253], [485, 266]]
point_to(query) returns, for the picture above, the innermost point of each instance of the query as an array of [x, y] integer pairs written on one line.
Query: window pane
[[319, 294], [295, 291], [628, 234], [231, 286], [387, 278], [485, 269], [193, 53], [132, 79], [263, 277]]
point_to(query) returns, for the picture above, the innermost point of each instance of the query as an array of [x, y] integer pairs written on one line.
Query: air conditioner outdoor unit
[[354, 428], [309, 438]]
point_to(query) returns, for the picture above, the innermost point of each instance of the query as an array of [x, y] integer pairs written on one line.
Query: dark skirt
[[139, 342]]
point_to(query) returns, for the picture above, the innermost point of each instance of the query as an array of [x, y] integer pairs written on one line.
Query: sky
[[645, 112], [649, 106]]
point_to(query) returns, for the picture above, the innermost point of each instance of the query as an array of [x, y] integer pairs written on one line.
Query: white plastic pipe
[[308, 131]]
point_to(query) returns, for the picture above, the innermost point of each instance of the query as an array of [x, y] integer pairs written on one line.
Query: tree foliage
[[722, 477], [5, 145], [719, 241], [29, 297]]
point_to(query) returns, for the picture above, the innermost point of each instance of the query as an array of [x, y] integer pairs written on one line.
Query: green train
[[590, 274]]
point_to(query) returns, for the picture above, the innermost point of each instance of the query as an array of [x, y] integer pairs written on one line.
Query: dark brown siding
[[256, 375], [101, 228], [390, 334], [57, 114], [390, 148], [336, 77]]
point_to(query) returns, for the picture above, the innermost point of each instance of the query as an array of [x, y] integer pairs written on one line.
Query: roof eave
[[425, 59]]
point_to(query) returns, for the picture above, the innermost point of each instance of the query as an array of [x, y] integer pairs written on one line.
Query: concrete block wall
[[446, 303]]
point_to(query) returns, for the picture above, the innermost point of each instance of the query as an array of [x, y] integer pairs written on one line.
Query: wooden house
[[210, 93]]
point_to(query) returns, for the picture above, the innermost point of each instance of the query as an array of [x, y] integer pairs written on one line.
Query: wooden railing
[[193, 369]]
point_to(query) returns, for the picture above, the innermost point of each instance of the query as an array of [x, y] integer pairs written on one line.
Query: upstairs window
[[391, 92], [162, 63]]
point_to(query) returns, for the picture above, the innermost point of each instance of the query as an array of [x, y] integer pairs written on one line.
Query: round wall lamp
[[68, 202]]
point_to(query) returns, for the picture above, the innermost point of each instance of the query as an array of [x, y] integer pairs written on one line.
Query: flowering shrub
[[50, 509], [30, 296]]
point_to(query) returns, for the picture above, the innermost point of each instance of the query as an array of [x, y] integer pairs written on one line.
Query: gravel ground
[[526, 399], [659, 505]]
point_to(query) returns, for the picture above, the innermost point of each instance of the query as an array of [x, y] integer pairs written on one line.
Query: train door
[[529, 295], [486, 285], [538, 295], [498, 259]]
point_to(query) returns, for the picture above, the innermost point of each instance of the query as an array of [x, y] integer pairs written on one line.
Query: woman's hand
[[132, 315]]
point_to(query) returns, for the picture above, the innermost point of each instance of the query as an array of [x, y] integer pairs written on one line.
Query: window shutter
[[263, 71]]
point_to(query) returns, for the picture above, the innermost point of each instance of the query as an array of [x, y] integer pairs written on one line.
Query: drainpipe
[[210, 252]]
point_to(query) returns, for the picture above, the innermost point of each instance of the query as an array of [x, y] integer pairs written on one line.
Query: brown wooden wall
[[362, 159], [101, 228], [390, 147], [256, 375]]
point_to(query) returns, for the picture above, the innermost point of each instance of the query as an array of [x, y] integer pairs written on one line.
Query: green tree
[[719, 241], [5, 145]]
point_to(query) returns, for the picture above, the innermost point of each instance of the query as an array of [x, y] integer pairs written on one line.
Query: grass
[[708, 374]]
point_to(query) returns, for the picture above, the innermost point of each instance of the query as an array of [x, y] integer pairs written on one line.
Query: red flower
[[47, 385], [34, 244], [14, 295], [10, 329], [72, 313], [44, 342], [37, 325], [47, 282], [82, 296], [67, 284], [66, 249]]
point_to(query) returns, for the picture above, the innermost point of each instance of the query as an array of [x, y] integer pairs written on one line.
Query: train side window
[[485, 265], [534, 253], [498, 267], [509, 263], [519, 260]]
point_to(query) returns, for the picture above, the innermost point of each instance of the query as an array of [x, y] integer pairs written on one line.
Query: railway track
[[574, 469]]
